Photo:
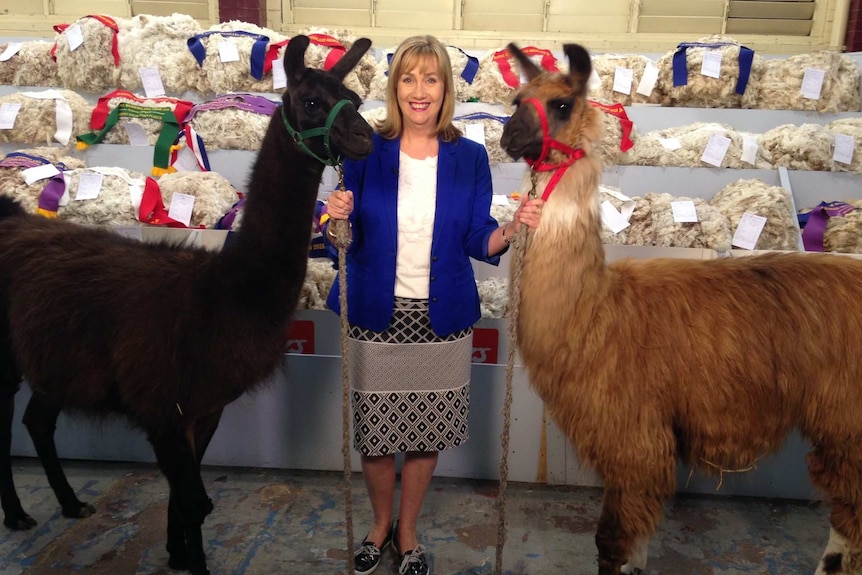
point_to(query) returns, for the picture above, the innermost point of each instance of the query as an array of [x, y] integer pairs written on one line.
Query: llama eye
[[311, 104]]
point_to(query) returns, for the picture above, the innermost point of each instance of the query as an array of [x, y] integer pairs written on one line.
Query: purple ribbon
[[49, 198], [247, 102], [818, 218]]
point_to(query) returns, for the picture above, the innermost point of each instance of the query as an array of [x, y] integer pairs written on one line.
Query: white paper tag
[[89, 186], [152, 81], [748, 231], [8, 113], [131, 232], [614, 220], [715, 150], [186, 161], [648, 79], [812, 83], [75, 36], [749, 149], [181, 208], [36, 173], [279, 78], [844, 147], [670, 144], [711, 65], [616, 194], [683, 211], [12, 48], [623, 80], [499, 200], [227, 51], [136, 133], [475, 132]]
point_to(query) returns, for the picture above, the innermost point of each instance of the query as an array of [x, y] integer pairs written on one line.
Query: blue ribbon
[[258, 49], [680, 64]]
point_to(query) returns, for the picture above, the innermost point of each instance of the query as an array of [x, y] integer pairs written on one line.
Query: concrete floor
[[283, 522]]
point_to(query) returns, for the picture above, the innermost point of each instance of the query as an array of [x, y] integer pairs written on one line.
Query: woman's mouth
[[419, 106]]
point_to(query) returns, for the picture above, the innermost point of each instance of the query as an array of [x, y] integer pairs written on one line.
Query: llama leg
[[629, 518], [14, 516], [637, 558], [41, 421], [189, 504]]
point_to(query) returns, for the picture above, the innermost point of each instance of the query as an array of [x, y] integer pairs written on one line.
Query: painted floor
[[283, 522]]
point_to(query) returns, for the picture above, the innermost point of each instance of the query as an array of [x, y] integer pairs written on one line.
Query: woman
[[419, 209]]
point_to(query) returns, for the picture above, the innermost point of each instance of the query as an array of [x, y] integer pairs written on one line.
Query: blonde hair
[[409, 53]]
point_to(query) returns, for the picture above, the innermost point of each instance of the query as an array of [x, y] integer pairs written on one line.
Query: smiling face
[[420, 93]]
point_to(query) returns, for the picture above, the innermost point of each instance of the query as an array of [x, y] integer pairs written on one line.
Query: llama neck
[[269, 256]]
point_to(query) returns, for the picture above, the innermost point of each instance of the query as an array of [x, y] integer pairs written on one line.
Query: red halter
[[539, 164]]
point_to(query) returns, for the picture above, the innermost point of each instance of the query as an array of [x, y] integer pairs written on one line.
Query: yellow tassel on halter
[[46, 213]]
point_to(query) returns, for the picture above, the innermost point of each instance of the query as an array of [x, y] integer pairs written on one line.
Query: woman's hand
[[340, 204], [529, 213]]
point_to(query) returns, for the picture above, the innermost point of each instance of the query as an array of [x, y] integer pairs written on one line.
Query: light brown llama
[[712, 362], [168, 336]]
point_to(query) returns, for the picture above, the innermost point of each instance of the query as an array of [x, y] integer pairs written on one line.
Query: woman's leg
[[415, 476], [379, 474]]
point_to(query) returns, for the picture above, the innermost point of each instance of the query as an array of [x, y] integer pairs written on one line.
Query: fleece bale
[[492, 128], [610, 66], [159, 42], [116, 203], [465, 69], [45, 117], [233, 121], [493, 297], [94, 65], [682, 83], [499, 73], [782, 83], [13, 182], [684, 146], [804, 147], [319, 277], [31, 65], [844, 234], [618, 133], [503, 210], [227, 40], [781, 231], [849, 128], [323, 51], [213, 195], [652, 224]]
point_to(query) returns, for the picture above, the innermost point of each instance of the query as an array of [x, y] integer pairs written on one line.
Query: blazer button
[[433, 278], [434, 299], [434, 258]]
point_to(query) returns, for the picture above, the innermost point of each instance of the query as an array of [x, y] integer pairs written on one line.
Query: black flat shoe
[[413, 562], [367, 558]]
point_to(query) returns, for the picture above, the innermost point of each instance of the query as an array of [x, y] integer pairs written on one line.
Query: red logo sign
[[300, 337], [486, 343]]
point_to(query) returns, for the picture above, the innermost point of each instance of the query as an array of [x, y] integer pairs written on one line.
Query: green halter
[[299, 137]]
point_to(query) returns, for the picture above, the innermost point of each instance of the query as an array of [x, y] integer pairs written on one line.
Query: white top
[[417, 196]]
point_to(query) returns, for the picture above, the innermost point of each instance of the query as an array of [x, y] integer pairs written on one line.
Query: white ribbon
[[63, 113]]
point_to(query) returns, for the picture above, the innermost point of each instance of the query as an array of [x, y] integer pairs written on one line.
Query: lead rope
[[520, 244], [342, 241]]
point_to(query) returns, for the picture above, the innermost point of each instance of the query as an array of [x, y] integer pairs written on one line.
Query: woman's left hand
[[529, 213]]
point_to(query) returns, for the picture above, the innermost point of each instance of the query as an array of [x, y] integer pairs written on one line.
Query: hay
[[652, 224], [36, 122], [781, 86], [781, 231], [90, 67], [159, 41], [704, 91], [653, 148], [605, 66], [214, 195], [805, 147]]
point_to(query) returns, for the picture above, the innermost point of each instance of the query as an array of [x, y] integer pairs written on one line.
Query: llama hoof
[[19, 522], [178, 562], [79, 511]]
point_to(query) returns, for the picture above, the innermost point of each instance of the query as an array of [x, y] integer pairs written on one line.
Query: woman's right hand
[[340, 204]]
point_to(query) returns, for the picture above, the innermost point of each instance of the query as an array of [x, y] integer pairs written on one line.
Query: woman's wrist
[[506, 237]]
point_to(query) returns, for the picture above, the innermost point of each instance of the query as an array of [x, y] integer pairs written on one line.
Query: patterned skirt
[[410, 387]]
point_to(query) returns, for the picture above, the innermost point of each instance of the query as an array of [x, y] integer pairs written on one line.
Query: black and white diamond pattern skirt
[[411, 388]]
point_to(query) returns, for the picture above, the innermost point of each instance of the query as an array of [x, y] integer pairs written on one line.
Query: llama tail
[[9, 207]]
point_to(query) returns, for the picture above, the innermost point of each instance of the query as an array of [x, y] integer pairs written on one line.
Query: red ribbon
[[618, 111], [548, 62], [107, 21], [152, 210]]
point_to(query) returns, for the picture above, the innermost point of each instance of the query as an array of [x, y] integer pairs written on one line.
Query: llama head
[[312, 95], [561, 99]]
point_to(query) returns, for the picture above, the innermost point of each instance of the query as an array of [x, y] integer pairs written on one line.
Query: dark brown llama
[[641, 363], [168, 336]]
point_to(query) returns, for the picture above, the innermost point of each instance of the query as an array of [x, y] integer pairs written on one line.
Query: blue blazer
[[462, 226]]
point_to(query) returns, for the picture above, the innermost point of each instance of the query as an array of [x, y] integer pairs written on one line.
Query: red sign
[[300, 337], [486, 343]]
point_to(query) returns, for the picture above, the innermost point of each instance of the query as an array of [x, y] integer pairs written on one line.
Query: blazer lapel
[[389, 176]]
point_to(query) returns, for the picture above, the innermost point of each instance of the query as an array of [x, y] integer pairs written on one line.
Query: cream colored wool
[[159, 41], [13, 184], [230, 128], [359, 79], [319, 277], [36, 121], [781, 231], [214, 195], [652, 224], [113, 206], [490, 86], [649, 151], [493, 132], [377, 88], [608, 147], [152, 127], [90, 67], [844, 234], [704, 91], [374, 116], [31, 66], [781, 86], [494, 297], [605, 66], [217, 77], [849, 127], [804, 147]]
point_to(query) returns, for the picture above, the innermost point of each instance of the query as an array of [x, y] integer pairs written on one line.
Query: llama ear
[[347, 62], [580, 64], [294, 58], [527, 66]]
